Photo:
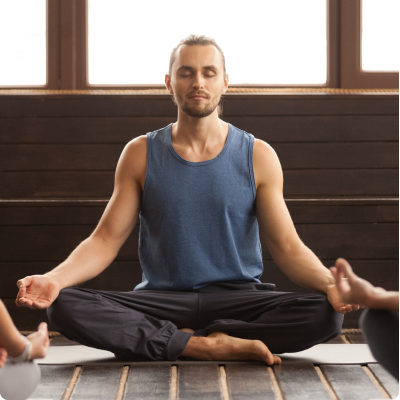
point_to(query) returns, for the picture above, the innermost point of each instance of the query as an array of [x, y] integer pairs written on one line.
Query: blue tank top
[[198, 221]]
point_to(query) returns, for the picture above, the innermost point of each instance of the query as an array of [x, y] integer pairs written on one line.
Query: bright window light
[[380, 35], [23, 42], [264, 42]]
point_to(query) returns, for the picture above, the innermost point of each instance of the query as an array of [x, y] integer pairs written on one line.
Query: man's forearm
[[303, 267], [88, 260]]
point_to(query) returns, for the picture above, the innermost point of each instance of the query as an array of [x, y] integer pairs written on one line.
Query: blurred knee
[[379, 324], [19, 380]]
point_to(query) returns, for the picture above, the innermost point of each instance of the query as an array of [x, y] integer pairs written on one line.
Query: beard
[[197, 111]]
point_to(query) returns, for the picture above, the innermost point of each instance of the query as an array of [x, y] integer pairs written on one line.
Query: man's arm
[[296, 260], [292, 256], [96, 253]]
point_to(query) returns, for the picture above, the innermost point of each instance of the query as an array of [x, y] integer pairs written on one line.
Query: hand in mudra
[[36, 291]]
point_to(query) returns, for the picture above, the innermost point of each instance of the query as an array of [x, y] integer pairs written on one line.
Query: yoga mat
[[319, 354]]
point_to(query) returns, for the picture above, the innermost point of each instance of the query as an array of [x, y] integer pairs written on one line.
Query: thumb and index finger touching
[[22, 284]]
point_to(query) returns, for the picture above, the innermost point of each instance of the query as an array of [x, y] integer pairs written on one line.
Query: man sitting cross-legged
[[202, 189]]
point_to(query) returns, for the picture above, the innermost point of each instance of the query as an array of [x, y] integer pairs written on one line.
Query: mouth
[[198, 98]]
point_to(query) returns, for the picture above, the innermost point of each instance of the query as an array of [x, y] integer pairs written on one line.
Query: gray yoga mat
[[320, 354]]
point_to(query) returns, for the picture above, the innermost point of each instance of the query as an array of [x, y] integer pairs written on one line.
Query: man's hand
[[3, 356], [340, 295], [337, 302], [37, 291], [353, 289]]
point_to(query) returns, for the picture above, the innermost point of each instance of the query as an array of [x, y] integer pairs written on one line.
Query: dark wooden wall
[[58, 154]]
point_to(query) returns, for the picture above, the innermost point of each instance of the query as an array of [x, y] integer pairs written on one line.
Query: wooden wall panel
[[104, 157], [161, 105], [53, 243], [58, 155], [271, 128], [297, 183], [125, 275]]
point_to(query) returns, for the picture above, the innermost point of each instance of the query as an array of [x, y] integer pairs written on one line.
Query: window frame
[[67, 56], [352, 76]]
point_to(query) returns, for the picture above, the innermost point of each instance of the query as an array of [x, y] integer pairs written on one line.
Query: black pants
[[144, 324], [381, 331]]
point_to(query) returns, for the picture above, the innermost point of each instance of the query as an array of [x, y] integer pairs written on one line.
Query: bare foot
[[188, 330], [220, 346]]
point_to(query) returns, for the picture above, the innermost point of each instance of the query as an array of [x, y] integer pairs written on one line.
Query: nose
[[198, 82]]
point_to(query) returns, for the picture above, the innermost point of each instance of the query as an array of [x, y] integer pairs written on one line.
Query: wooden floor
[[216, 380]]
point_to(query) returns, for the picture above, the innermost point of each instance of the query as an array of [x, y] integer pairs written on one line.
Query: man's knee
[[327, 322], [61, 310]]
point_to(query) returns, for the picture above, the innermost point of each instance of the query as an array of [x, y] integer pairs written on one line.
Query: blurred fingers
[[277, 360]]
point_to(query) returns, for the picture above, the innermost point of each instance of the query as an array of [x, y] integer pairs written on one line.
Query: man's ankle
[[198, 347]]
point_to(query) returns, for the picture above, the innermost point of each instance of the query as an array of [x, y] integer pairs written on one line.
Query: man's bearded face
[[197, 108]]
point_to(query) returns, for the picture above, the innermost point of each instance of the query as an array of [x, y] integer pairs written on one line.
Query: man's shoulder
[[266, 165], [262, 150]]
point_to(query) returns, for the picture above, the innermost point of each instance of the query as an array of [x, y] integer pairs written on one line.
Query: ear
[[226, 83], [168, 84]]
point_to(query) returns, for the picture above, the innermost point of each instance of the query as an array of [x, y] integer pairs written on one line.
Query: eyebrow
[[188, 68]]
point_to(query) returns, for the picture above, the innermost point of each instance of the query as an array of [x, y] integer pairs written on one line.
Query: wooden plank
[[78, 215], [104, 157], [318, 214], [309, 104], [357, 338], [272, 128], [45, 184], [119, 276], [41, 105], [53, 213], [295, 379], [388, 213], [249, 382], [336, 155], [148, 382], [382, 273], [314, 202], [328, 241], [62, 341], [350, 382], [386, 379], [99, 184], [97, 382], [199, 382], [319, 128], [54, 243], [346, 182], [87, 105], [337, 340], [79, 129], [125, 275], [352, 241], [53, 382], [60, 157]]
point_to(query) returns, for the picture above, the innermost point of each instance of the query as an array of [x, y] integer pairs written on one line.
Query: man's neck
[[199, 133]]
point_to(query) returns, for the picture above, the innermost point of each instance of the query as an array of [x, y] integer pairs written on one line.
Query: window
[[99, 44], [23, 42], [380, 35], [266, 42]]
